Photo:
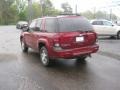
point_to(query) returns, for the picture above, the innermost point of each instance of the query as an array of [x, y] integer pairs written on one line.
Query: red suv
[[67, 36]]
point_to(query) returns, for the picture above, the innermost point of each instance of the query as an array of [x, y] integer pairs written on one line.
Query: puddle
[[7, 57]]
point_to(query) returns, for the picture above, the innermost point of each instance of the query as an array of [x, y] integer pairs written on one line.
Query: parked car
[[106, 28], [67, 36], [21, 24], [117, 22]]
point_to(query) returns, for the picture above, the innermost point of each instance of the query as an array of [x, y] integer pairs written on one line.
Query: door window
[[32, 25], [51, 25], [38, 25], [107, 23], [97, 23]]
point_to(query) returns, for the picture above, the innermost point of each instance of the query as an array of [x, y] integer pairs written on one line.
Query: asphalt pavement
[[20, 71]]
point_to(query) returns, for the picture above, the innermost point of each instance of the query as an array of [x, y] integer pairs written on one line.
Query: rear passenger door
[[98, 27], [109, 28]]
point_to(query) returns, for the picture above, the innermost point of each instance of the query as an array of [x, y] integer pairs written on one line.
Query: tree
[[7, 11], [12, 11], [46, 7], [99, 15], [36, 10], [21, 6], [88, 14], [67, 8]]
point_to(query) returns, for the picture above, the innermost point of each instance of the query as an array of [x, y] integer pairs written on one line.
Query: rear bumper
[[72, 53]]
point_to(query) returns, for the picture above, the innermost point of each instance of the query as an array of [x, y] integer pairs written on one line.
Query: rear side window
[[50, 24], [107, 23], [97, 23], [68, 24], [39, 25]]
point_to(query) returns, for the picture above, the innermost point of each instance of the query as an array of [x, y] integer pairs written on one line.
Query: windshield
[[74, 24]]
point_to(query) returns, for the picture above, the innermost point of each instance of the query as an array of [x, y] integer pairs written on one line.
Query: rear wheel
[[44, 56], [118, 35], [81, 59], [24, 46]]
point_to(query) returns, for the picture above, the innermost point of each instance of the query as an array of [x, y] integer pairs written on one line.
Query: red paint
[[66, 40]]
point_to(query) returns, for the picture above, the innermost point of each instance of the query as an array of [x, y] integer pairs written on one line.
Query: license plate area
[[80, 39]]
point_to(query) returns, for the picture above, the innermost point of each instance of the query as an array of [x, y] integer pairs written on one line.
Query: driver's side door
[[29, 34]]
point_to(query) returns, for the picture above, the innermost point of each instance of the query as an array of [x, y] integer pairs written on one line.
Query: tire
[[118, 35], [81, 59], [24, 47], [44, 57]]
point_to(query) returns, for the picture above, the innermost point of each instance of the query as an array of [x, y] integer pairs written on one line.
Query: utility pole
[[30, 11], [111, 14], [76, 8], [42, 2], [94, 12]]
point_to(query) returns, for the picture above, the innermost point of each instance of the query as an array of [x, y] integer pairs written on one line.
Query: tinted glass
[[51, 25], [39, 25], [32, 25], [67, 24], [97, 23]]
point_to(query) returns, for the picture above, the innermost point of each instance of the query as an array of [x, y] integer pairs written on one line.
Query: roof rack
[[76, 14]]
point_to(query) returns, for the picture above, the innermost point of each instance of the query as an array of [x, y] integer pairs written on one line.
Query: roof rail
[[76, 14]]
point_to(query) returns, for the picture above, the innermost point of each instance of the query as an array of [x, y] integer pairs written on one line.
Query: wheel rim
[[44, 57]]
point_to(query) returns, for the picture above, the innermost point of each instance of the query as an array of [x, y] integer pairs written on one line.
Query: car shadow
[[32, 57], [107, 38], [62, 69]]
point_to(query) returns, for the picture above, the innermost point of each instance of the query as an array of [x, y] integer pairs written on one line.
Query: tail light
[[96, 38], [56, 43]]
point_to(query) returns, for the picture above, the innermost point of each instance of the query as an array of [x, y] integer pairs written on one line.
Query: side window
[[50, 25], [39, 25], [32, 25], [94, 23], [97, 23], [107, 23]]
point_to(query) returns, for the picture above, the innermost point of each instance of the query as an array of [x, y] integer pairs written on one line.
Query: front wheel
[[118, 35], [44, 56], [24, 46]]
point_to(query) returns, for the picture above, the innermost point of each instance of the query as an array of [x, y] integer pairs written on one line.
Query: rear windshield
[[74, 24]]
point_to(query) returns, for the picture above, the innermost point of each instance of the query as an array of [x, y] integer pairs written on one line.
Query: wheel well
[[118, 32], [41, 45], [21, 38]]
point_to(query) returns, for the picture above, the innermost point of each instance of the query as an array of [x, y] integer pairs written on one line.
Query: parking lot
[[19, 71]]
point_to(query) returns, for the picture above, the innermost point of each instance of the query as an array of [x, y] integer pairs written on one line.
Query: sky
[[84, 5]]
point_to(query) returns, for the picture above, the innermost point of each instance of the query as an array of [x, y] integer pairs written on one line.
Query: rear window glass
[[74, 24], [51, 25]]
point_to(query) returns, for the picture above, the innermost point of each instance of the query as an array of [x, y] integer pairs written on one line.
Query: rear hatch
[[75, 32]]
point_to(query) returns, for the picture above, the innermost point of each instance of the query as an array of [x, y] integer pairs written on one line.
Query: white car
[[21, 24], [106, 28]]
